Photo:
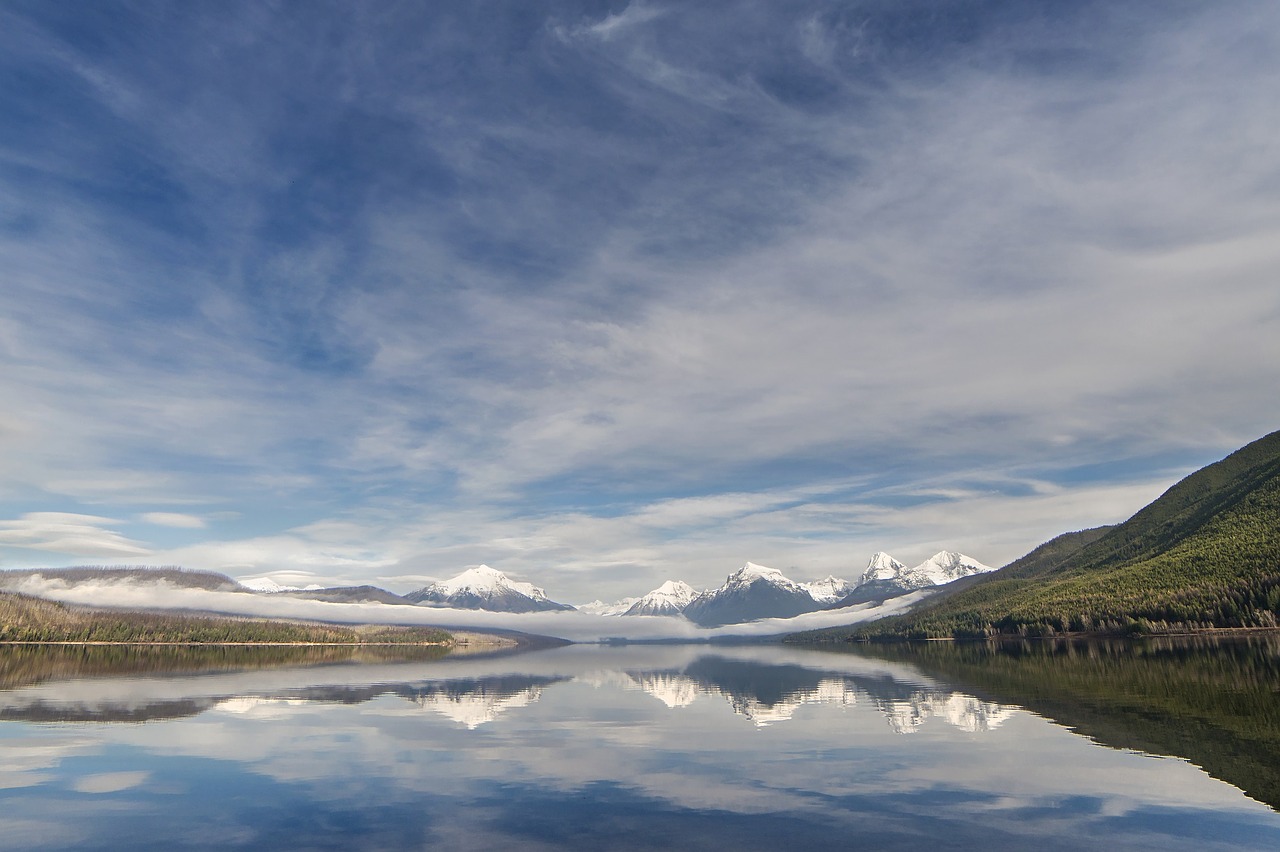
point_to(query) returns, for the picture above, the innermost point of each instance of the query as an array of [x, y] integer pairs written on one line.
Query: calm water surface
[[1045, 747]]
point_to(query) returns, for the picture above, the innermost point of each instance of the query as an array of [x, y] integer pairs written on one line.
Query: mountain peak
[[486, 588], [668, 599], [676, 587], [752, 592], [483, 579], [751, 572], [946, 566], [829, 589], [882, 566]]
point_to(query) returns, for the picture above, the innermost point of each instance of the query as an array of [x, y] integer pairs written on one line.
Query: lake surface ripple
[[1154, 745]]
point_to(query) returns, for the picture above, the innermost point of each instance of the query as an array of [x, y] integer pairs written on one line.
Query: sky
[[602, 294]]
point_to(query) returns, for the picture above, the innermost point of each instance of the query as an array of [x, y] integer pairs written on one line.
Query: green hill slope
[[1205, 554], [28, 619]]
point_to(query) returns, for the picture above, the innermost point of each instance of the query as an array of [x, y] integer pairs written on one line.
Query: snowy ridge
[[668, 599], [487, 589], [753, 573], [484, 581], [882, 566], [947, 566], [943, 567], [829, 590], [270, 586], [599, 607]]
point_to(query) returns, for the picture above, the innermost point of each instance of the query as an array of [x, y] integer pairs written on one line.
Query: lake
[[1154, 745]]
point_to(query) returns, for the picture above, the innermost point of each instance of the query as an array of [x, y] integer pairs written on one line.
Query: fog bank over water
[[574, 626]]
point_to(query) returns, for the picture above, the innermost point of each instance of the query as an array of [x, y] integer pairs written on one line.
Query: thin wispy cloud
[[606, 293], [71, 534]]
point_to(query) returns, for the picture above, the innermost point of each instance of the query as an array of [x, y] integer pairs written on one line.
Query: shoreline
[[90, 642], [461, 640], [1015, 637]]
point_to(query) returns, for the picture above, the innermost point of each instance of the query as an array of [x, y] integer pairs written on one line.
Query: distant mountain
[[270, 586], [829, 590], [1206, 553], [753, 592], [599, 607], [347, 594], [886, 577], [668, 599], [488, 589], [880, 580], [168, 575]]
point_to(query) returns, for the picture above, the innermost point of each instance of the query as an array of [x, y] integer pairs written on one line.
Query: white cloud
[[173, 519], [71, 534]]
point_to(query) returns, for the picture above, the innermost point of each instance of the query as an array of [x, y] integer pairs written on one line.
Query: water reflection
[[580, 747], [1214, 701], [103, 685]]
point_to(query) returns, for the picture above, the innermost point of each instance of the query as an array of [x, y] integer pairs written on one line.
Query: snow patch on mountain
[[668, 599], [751, 573], [829, 590], [599, 607], [882, 566], [946, 567], [270, 586], [488, 589], [938, 569], [484, 580]]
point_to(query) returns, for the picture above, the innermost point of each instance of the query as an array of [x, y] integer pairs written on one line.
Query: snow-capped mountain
[[488, 589], [668, 599], [886, 577], [271, 587], [945, 567], [265, 584], [753, 592], [829, 590], [882, 566], [599, 607]]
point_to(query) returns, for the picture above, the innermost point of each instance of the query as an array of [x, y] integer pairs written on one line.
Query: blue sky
[[606, 293]]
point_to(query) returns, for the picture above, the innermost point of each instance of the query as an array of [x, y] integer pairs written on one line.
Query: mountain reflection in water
[[1212, 700], [762, 692], [758, 747]]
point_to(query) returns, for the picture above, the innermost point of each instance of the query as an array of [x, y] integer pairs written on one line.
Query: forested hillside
[[28, 619], [1205, 554]]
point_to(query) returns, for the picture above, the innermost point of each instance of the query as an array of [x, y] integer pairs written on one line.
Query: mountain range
[[751, 593], [754, 592], [886, 577]]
